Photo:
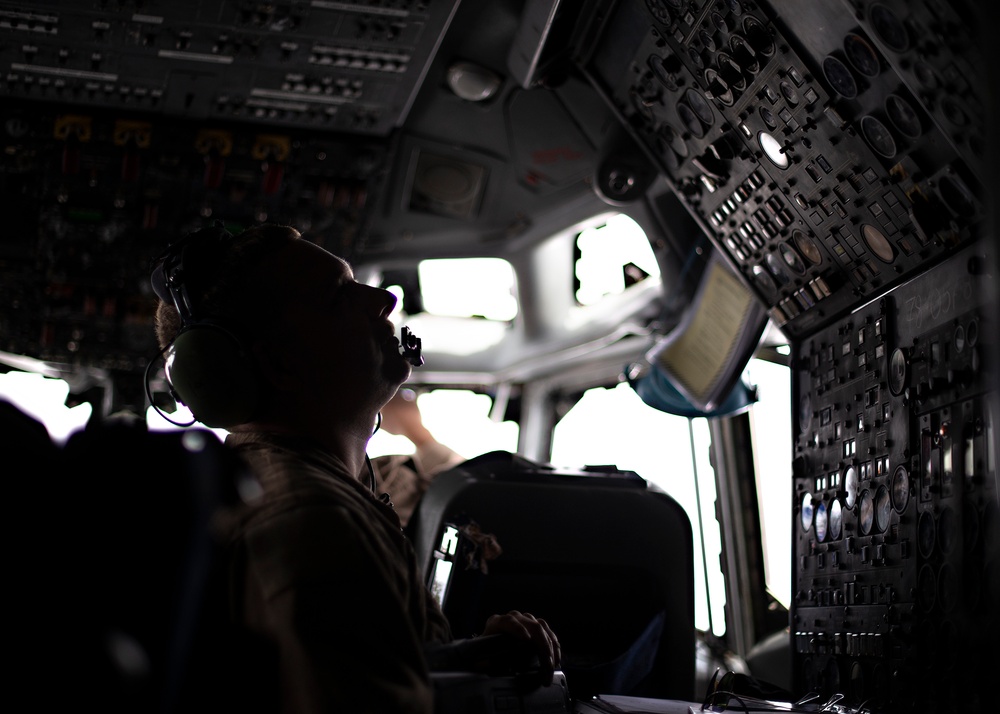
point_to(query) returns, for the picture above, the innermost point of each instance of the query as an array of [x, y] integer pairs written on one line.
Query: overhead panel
[[126, 124], [827, 153], [341, 66]]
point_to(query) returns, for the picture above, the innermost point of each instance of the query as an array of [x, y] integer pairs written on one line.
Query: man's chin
[[398, 370]]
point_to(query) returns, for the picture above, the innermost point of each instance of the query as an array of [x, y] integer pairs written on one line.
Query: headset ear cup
[[213, 375]]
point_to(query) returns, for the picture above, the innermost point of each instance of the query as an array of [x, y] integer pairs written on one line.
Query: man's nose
[[383, 300]]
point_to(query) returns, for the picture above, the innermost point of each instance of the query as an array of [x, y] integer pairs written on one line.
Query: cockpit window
[[458, 418], [462, 306], [468, 287], [672, 454], [772, 434], [611, 258]]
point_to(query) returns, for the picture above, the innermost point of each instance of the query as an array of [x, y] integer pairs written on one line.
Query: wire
[[371, 476], [149, 392]]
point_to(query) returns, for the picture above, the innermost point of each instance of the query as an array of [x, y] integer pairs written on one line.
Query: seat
[[606, 561], [140, 617]]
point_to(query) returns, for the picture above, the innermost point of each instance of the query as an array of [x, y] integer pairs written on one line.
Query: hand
[[527, 627], [401, 416]]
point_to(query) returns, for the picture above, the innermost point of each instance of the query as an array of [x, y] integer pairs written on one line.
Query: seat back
[[145, 574], [605, 561]]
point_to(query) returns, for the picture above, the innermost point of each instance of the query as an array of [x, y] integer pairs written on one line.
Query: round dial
[[926, 533], [883, 507], [897, 372], [851, 486], [807, 512], [866, 514], [900, 488], [836, 519], [821, 521]]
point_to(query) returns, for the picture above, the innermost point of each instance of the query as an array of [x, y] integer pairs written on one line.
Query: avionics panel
[[896, 524], [312, 64], [835, 152], [830, 151]]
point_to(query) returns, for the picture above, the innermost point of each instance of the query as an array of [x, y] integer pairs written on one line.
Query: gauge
[[883, 507], [765, 282], [805, 412], [708, 40], [660, 68], [774, 264], [659, 11], [808, 247], [889, 28], [866, 512], [758, 36], [959, 339], [821, 522], [674, 140], [877, 243], [696, 59], [925, 75], [773, 149], [690, 119], [700, 106], [731, 71], [792, 259], [897, 371], [840, 77], [807, 512], [956, 196], [861, 55], [836, 519], [878, 137], [900, 488], [850, 486], [768, 116], [903, 116], [744, 54], [718, 86], [788, 91], [926, 534]]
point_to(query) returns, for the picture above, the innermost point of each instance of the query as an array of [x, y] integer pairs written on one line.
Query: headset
[[206, 365]]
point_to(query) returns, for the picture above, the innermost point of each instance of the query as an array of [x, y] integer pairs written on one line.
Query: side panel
[[896, 518]]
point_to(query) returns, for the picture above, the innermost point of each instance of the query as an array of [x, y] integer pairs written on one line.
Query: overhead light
[[471, 82]]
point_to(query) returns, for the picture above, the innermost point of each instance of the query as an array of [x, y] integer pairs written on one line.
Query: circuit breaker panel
[[896, 520]]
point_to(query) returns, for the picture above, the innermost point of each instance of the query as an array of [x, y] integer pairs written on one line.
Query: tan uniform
[[322, 568], [406, 478]]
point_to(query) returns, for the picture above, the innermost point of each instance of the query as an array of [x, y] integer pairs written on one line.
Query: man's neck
[[345, 443]]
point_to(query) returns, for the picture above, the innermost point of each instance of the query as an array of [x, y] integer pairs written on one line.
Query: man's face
[[334, 334]]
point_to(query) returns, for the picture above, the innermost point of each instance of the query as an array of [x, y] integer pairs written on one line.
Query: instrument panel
[[318, 64], [828, 153], [897, 529], [835, 153]]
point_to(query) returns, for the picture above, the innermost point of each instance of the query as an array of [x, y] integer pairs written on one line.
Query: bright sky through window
[[604, 251], [469, 287]]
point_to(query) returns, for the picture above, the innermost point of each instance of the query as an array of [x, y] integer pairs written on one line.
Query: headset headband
[[169, 278]]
